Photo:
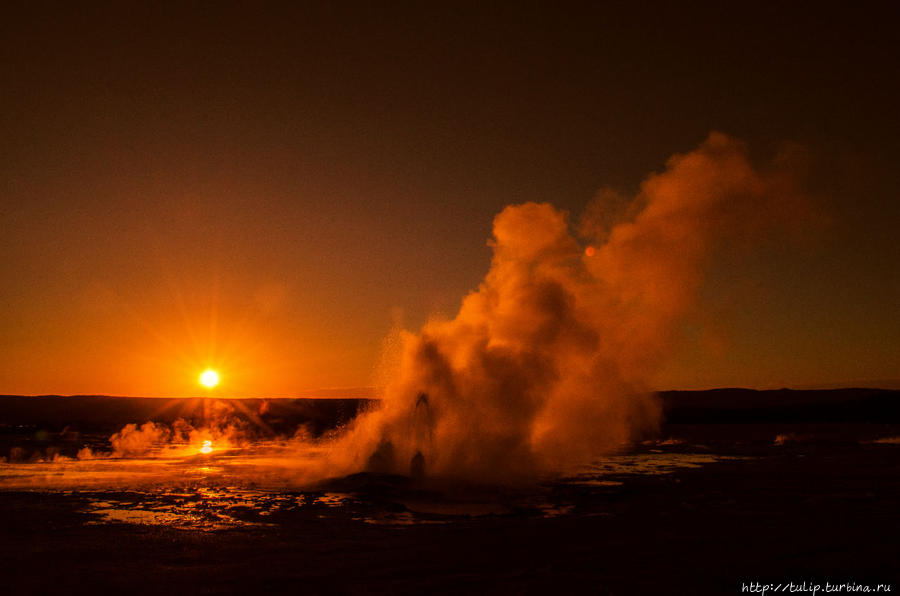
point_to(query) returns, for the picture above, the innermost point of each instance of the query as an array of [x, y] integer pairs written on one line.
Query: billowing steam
[[136, 441], [547, 363]]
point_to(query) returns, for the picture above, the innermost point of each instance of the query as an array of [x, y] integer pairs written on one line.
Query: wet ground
[[704, 510]]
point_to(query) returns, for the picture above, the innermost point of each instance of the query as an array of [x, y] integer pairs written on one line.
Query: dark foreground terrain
[[772, 502]]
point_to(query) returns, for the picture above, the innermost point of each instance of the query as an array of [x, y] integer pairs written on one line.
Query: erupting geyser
[[548, 363]]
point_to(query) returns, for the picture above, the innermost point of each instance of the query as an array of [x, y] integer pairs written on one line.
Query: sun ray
[[253, 416]]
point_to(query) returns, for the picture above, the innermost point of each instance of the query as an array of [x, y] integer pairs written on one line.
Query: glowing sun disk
[[209, 378]]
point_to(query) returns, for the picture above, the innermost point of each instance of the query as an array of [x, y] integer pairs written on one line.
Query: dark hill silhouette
[[96, 413], [101, 413], [781, 405]]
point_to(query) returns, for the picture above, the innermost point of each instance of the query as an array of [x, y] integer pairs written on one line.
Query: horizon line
[[373, 393]]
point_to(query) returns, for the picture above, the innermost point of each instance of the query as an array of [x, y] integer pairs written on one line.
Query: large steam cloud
[[548, 363]]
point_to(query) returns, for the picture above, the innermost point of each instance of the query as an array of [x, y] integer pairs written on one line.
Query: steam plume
[[547, 363]]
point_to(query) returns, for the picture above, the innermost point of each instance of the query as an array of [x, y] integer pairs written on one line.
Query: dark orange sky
[[269, 192]]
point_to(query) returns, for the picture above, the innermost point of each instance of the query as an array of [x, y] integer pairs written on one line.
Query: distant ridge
[[893, 384], [107, 414], [322, 410], [735, 405]]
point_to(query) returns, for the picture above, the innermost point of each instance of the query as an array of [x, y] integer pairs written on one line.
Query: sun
[[209, 378]]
